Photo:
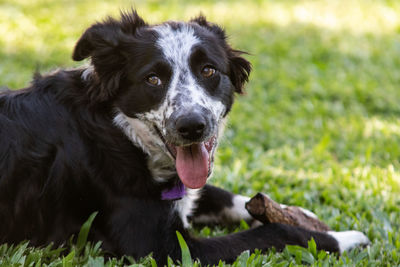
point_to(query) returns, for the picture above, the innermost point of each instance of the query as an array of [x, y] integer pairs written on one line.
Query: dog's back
[[33, 134], [54, 152]]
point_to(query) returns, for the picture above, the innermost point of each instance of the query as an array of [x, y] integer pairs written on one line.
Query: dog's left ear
[[239, 67]]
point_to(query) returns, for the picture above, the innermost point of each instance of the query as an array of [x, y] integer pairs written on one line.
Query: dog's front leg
[[137, 227], [227, 248], [218, 206]]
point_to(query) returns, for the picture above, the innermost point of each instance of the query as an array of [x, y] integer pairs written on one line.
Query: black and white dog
[[133, 137]]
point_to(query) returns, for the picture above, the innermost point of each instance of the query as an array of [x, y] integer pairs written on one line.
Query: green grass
[[319, 126]]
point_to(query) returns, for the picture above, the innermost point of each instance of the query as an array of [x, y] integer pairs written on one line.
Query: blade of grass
[[84, 232], [186, 258]]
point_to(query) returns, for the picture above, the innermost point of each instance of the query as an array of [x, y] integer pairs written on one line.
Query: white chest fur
[[186, 205]]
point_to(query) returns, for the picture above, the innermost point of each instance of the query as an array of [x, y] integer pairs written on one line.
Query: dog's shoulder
[[52, 121]]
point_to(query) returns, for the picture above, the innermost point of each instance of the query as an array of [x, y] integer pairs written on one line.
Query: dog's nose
[[191, 126]]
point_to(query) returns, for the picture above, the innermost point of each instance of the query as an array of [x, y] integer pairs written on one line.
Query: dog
[[133, 136]]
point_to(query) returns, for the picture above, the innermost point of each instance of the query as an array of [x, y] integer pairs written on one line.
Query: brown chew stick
[[264, 209]]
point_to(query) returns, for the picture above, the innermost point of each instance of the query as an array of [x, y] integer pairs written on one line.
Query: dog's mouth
[[193, 162]]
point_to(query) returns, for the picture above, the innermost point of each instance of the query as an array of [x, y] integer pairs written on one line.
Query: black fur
[[62, 158]]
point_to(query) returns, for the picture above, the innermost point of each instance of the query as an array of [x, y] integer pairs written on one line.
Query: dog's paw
[[349, 239]]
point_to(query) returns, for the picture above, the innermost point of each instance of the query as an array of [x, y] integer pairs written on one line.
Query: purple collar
[[175, 193]]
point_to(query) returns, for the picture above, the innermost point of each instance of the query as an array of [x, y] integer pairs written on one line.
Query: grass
[[319, 126]]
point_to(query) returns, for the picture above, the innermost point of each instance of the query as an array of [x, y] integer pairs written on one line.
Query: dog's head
[[172, 85]]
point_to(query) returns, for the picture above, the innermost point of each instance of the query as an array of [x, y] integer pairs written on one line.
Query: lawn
[[319, 126]]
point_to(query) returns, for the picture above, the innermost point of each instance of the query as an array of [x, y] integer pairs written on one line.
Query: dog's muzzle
[[191, 139], [191, 127]]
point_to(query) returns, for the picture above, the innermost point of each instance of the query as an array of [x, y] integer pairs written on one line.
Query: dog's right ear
[[100, 36], [105, 43], [105, 36]]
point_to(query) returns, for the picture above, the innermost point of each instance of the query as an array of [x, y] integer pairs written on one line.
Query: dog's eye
[[154, 80], [208, 71]]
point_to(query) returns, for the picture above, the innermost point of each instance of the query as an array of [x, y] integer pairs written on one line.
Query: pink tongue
[[192, 165]]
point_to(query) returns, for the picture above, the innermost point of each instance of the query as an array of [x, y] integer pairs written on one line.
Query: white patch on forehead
[[176, 44]]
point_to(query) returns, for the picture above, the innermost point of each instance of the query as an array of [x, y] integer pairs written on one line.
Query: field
[[319, 126]]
